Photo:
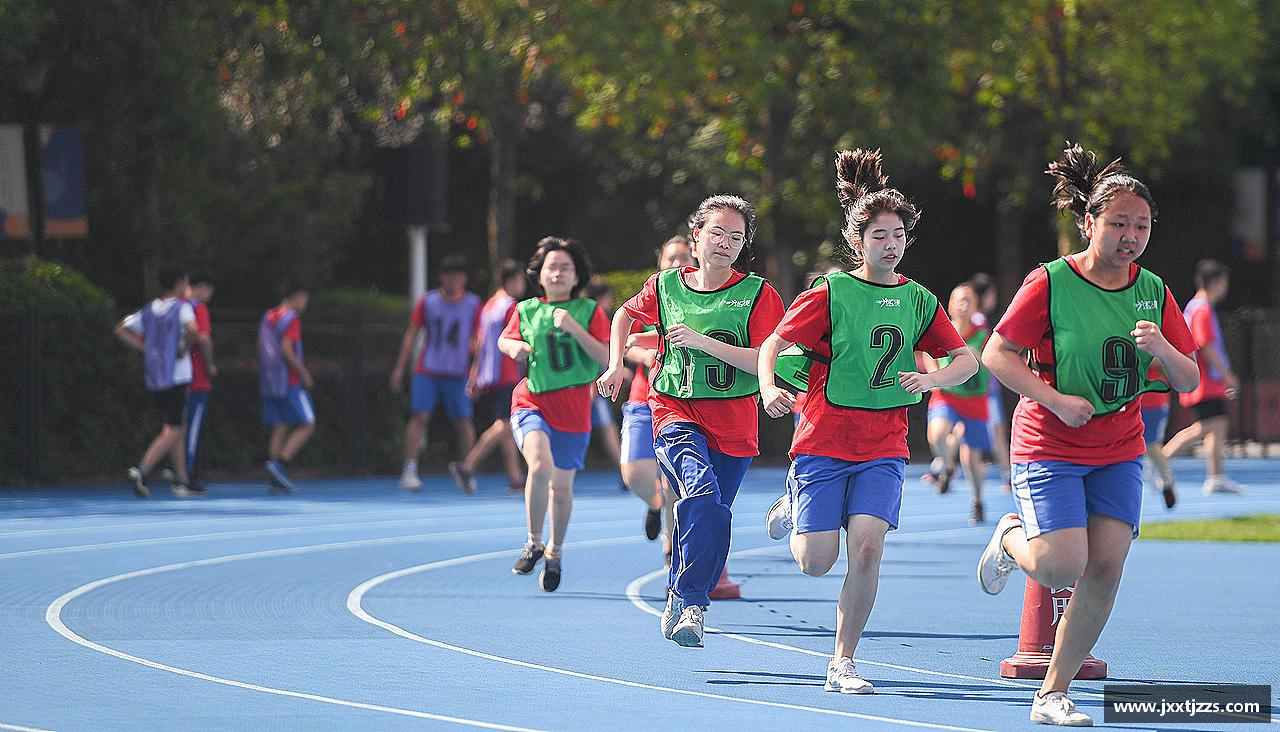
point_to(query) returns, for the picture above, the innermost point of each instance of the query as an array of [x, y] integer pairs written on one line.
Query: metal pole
[[417, 261]]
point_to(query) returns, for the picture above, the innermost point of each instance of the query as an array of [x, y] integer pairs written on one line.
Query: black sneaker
[[944, 482], [528, 558], [550, 577], [138, 482], [652, 524], [976, 515]]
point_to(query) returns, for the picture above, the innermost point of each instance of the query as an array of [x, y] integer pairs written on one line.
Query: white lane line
[[53, 616], [20, 728], [356, 597], [272, 532], [428, 514]]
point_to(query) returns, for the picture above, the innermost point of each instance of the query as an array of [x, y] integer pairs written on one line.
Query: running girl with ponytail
[[711, 320], [849, 453], [561, 336], [1094, 322]]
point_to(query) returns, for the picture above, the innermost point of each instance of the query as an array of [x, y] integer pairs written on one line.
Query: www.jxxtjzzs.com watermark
[[1183, 703]]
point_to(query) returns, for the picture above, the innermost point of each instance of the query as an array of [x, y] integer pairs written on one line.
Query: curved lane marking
[[356, 597]]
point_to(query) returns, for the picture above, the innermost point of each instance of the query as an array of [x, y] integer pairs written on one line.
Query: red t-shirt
[[1204, 328], [200, 380], [292, 332], [856, 435], [968, 407], [568, 409], [730, 425], [639, 392], [1037, 433]]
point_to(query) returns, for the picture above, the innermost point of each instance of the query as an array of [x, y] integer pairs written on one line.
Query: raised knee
[[1056, 574], [815, 566]]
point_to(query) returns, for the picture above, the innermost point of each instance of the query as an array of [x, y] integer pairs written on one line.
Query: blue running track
[[353, 605]]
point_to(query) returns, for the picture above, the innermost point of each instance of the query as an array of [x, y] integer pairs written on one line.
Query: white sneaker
[[842, 676], [778, 521], [671, 615], [409, 480], [688, 631], [995, 565], [1221, 484], [1056, 708]]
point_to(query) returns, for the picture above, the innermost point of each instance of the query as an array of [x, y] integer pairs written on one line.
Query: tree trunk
[[502, 195], [1010, 269], [775, 254]]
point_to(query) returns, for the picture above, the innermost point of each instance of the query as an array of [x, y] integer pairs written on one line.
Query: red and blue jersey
[[200, 380], [449, 327], [494, 369], [1203, 322], [275, 375]]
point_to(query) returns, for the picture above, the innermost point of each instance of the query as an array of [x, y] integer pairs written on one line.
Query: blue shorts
[[825, 491], [567, 448], [637, 433], [294, 408], [601, 415], [977, 433], [1154, 422], [1055, 494], [428, 391]]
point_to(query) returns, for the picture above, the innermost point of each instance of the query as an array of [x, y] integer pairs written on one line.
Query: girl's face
[[558, 275], [883, 243], [719, 241], [1119, 234], [961, 305], [675, 255]]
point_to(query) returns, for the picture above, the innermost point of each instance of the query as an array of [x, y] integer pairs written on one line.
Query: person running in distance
[[849, 452], [562, 337], [639, 461], [494, 375], [964, 405], [711, 320], [1218, 383], [284, 382], [164, 331], [447, 317], [203, 371], [1094, 323]]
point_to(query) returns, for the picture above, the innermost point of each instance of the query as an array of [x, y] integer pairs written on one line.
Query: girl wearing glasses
[[711, 320], [561, 336], [849, 452]]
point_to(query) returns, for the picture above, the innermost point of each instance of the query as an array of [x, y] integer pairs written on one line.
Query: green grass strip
[[1259, 527]]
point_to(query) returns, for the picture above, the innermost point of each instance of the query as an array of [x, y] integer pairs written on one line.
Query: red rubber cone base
[[725, 589], [1041, 610]]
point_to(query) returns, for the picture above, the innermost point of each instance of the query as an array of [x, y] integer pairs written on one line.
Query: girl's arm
[[1181, 369], [776, 402], [963, 365], [740, 357], [1001, 357], [597, 350], [516, 349], [610, 382]]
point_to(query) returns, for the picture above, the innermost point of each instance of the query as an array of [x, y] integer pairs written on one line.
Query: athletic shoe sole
[[1003, 526], [137, 483], [687, 637], [868, 689]]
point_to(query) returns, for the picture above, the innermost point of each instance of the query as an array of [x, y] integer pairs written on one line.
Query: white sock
[[535, 538], [553, 550], [411, 466]]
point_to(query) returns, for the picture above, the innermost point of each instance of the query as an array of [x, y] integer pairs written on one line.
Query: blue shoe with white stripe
[[280, 481]]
